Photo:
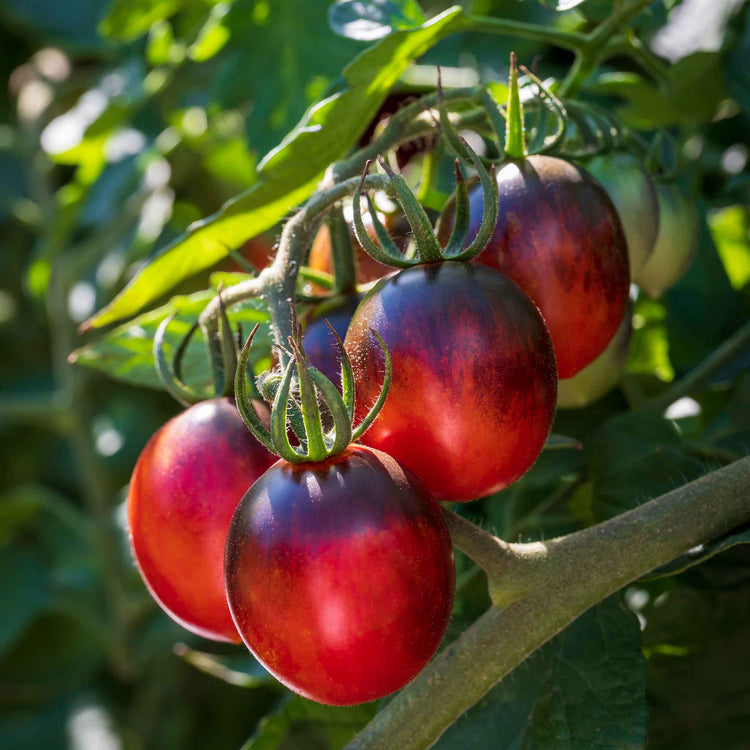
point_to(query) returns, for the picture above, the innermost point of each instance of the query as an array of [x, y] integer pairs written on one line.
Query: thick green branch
[[562, 578], [567, 39]]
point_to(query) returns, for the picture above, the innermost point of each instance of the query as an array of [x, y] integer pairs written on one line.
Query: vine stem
[[590, 52], [277, 284], [549, 584], [723, 354]]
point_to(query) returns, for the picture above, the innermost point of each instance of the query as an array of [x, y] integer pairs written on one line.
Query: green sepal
[[347, 375], [387, 376], [425, 241], [460, 229], [515, 142], [342, 425], [540, 143], [279, 436], [490, 207], [497, 120], [244, 405], [383, 254], [228, 349], [174, 386], [316, 447]]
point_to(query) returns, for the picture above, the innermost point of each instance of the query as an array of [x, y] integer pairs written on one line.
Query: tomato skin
[[320, 346], [185, 487], [340, 575], [676, 243], [632, 191], [559, 238], [474, 383]]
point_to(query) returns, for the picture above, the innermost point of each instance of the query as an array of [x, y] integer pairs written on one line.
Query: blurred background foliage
[[122, 122]]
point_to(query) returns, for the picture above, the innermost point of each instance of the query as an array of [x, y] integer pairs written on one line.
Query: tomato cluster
[[333, 564]]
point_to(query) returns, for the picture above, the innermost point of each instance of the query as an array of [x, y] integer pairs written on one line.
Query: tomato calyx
[[297, 394], [427, 246]]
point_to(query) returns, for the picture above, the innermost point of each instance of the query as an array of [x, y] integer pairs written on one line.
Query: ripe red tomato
[[187, 483], [320, 346], [340, 575], [474, 382], [559, 238], [632, 191]]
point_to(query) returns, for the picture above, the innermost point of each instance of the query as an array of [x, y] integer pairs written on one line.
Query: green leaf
[[240, 671], [635, 457], [648, 107], [730, 229], [304, 725], [562, 5], [129, 19], [583, 689], [367, 21], [700, 554], [289, 174], [125, 352]]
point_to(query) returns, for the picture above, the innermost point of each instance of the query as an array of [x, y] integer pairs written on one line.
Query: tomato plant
[[185, 487], [141, 144]]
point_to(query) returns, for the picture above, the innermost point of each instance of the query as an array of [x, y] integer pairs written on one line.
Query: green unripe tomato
[[676, 242], [632, 191], [601, 376]]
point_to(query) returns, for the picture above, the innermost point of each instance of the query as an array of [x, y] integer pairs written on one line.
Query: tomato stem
[[515, 140]]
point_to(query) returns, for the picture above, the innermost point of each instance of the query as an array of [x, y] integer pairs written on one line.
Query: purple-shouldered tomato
[[320, 346], [473, 392], [186, 485], [558, 236], [340, 575]]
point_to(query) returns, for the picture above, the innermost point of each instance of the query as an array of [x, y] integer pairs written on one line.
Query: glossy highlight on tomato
[[474, 382], [185, 487], [558, 236], [340, 575]]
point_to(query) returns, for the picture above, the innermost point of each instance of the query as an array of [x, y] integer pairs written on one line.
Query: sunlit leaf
[[289, 174], [367, 20]]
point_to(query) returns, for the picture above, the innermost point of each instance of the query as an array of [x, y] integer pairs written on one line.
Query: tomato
[[258, 251], [559, 238], [601, 376], [632, 191], [340, 576], [320, 346], [368, 269], [474, 381], [185, 487], [676, 243]]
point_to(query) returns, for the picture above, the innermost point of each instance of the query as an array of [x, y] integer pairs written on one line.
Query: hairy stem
[[561, 578], [277, 284]]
